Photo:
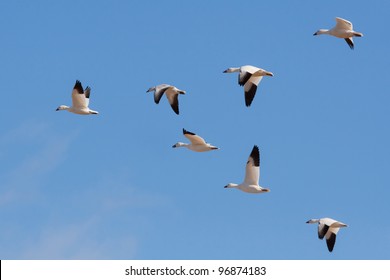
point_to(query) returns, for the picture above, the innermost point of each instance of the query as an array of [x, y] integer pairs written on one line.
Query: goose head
[[231, 70], [179, 144], [230, 185], [62, 107], [151, 89], [321, 31]]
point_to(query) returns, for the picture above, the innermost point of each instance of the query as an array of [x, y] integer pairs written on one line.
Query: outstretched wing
[[195, 139], [243, 77], [78, 97], [252, 171], [349, 42], [322, 230], [160, 90], [173, 99], [343, 24], [250, 89], [87, 93], [331, 238]]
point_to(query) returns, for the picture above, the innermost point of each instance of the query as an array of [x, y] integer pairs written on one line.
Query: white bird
[[80, 101], [171, 93], [249, 77], [252, 175], [327, 228], [343, 29], [197, 143]]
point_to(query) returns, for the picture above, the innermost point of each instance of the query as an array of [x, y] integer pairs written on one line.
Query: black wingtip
[[255, 154], [243, 78], [331, 241], [323, 231], [87, 92], [250, 95], [175, 104], [350, 43], [78, 87], [188, 132]]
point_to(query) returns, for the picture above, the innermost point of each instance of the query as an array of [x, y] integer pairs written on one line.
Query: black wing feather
[[323, 231], [243, 78], [87, 92], [188, 132], [349, 42], [250, 95], [331, 241], [255, 154], [175, 104], [158, 94], [78, 87]]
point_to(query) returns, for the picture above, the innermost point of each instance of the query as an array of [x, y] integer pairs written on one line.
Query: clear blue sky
[[110, 186]]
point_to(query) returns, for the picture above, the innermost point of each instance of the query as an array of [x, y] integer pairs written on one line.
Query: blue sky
[[110, 186]]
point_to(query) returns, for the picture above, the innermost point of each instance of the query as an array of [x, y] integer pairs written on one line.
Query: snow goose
[[197, 143], [249, 77], [327, 228], [252, 175], [80, 101], [343, 29], [171, 93]]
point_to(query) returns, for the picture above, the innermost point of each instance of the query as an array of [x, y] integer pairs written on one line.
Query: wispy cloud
[[77, 241], [31, 151], [102, 216]]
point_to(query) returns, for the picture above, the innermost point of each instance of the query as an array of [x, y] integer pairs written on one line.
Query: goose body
[[171, 93], [80, 101], [343, 29], [249, 77], [327, 228], [252, 175], [198, 144]]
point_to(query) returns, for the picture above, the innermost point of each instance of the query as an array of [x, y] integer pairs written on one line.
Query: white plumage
[[198, 144], [343, 29], [171, 93], [80, 101], [327, 228], [249, 77], [252, 175]]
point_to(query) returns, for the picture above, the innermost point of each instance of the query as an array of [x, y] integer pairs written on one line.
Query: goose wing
[[252, 171], [87, 93], [331, 238], [243, 77], [78, 97], [322, 230], [343, 24], [195, 139], [173, 99], [349, 42], [250, 89], [246, 73], [160, 90]]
